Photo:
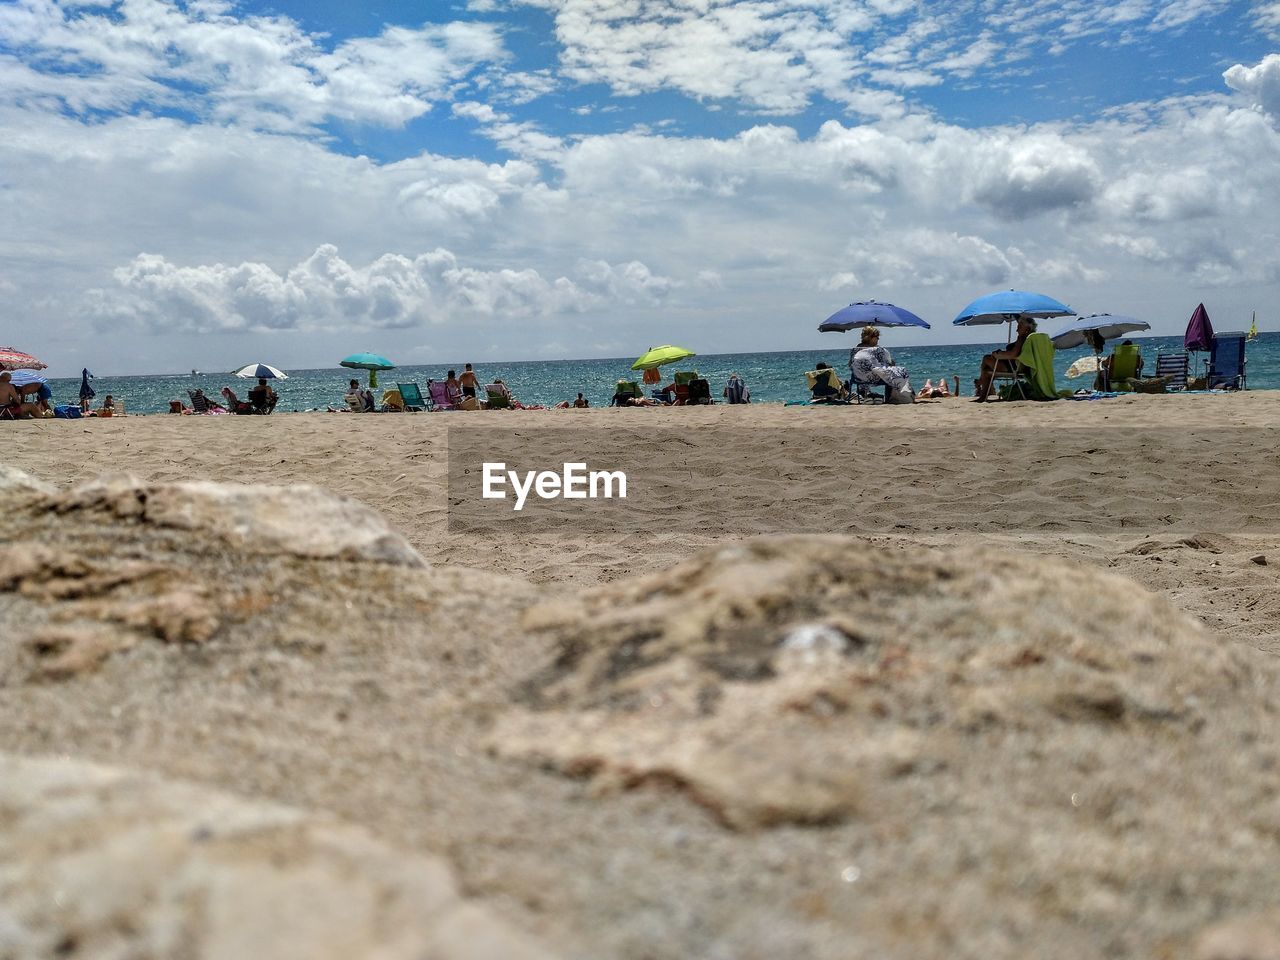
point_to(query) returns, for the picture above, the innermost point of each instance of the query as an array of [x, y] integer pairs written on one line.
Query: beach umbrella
[[657, 356], [22, 378], [1106, 325], [1199, 335], [1007, 306], [870, 313], [368, 361], [256, 371], [1090, 364], [11, 359], [86, 392]]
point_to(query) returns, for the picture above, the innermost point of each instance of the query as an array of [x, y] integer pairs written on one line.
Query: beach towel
[[1037, 358], [735, 391]]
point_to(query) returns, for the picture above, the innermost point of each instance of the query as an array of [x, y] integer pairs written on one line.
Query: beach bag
[[902, 393], [67, 411], [469, 403]]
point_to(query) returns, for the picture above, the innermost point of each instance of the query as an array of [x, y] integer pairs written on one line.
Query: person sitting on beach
[[198, 398], [580, 402], [871, 365], [828, 387], [675, 394], [452, 388], [11, 402], [263, 397], [177, 406], [1107, 364], [234, 403], [1002, 361]]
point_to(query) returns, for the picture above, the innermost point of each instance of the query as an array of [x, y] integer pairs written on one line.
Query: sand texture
[[943, 681]]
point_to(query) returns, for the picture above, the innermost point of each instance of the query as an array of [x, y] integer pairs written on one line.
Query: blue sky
[[502, 178]]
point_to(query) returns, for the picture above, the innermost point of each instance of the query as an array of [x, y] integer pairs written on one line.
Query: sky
[[209, 183]]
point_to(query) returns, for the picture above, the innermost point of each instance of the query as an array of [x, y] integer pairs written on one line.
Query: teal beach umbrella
[[368, 361]]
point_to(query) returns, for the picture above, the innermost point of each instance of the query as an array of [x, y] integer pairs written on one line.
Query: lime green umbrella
[[657, 356]]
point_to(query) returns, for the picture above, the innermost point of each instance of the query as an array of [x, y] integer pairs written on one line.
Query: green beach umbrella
[[657, 356], [368, 361]]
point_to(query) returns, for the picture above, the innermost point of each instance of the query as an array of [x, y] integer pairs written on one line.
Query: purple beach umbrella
[[1199, 331]]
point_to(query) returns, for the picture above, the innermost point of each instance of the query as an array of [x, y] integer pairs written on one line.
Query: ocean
[[771, 377]]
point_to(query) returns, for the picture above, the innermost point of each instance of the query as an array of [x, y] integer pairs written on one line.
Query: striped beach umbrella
[[11, 359], [257, 371]]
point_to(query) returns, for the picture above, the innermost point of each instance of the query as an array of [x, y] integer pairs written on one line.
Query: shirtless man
[[11, 400], [469, 381], [1002, 361]]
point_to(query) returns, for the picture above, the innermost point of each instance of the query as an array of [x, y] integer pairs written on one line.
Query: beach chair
[[355, 403], [1175, 367], [438, 394], [624, 391], [498, 399], [867, 391], [824, 386], [392, 401], [699, 391], [735, 391], [262, 400], [411, 396], [1015, 376], [1227, 361], [1123, 365], [199, 402], [1034, 368]]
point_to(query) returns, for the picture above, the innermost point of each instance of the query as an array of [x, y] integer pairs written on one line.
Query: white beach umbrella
[[255, 370]]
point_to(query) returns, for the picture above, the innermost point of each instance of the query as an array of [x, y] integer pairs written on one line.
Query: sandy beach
[[454, 712]]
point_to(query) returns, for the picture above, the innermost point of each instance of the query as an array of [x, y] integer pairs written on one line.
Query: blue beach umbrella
[[368, 361], [1106, 325], [86, 392], [1007, 306], [870, 313]]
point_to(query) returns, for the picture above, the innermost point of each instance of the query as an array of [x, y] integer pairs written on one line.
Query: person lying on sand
[[939, 392], [1002, 361]]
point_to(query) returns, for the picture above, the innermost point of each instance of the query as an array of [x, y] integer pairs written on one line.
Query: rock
[[772, 685], [98, 862], [1260, 559], [1252, 937], [299, 520], [99, 569], [14, 482]]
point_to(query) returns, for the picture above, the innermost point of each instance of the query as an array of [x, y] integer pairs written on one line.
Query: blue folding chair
[[1226, 361]]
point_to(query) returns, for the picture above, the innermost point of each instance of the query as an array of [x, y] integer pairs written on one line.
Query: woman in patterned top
[[872, 365]]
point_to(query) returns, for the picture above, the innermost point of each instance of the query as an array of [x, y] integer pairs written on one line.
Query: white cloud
[[262, 71], [326, 292], [1259, 83]]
